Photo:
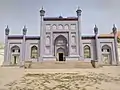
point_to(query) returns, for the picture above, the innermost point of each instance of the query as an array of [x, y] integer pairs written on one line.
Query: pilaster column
[[96, 42], [6, 53], [115, 43], [79, 33], [42, 13]]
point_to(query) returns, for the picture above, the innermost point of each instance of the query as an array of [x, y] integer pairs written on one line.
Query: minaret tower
[[6, 50], [96, 42], [115, 43], [41, 47], [24, 45], [79, 32]]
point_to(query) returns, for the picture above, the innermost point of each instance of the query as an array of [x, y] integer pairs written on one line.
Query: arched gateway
[[60, 48], [106, 55], [15, 55]]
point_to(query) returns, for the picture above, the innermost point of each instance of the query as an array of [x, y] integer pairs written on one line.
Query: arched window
[[87, 52], [34, 52]]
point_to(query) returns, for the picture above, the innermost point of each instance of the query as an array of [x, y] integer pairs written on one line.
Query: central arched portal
[[60, 48]]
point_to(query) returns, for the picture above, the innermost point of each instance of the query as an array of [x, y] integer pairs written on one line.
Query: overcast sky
[[17, 13]]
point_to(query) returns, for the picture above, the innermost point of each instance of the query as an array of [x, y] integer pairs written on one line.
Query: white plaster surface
[[1, 56], [119, 51]]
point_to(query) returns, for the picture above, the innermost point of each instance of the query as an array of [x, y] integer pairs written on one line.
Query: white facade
[[119, 51]]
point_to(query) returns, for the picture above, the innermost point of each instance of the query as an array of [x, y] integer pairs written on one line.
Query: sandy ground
[[106, 78]]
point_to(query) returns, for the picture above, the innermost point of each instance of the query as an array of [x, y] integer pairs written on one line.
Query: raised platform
[[58, 65]]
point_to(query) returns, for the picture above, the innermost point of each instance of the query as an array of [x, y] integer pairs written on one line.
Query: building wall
[[110, 43], [53, 33], [90, 42], [1, 56], [29, 44], [119, 51]]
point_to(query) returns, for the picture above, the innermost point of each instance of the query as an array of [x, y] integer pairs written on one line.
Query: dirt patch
[[61, 81]]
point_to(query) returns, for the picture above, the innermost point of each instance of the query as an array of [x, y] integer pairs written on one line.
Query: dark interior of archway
[[61, 57]]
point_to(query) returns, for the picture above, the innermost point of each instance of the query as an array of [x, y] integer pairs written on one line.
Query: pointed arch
[[106, 48], [87, 51], [60, 26], [15, 55], [15, 49], [66, 27], [34, 52], [54, 26], [106, 54]]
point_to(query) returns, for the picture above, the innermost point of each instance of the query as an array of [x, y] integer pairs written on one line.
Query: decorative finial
[[42, 12], [7, 26], [95, 29], [42, 7], [24, 26], [24, 30], [95, 25], [114, 29], [78, 11], [7, 30], [113, 25]]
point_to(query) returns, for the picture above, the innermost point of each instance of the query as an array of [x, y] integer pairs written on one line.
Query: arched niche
[[73, 39], [34, 52], [60, 42], [47, 40], [60, 26], [87, 51], [54, 26], [66, 27], [106, 54], [15, 55]]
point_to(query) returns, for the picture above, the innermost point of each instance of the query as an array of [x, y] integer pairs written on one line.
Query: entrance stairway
[[60, 65]]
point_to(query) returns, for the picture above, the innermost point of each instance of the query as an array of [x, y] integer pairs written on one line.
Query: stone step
[[60, 64]]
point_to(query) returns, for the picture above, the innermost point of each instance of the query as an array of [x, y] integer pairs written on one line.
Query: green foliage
[[118, 40]]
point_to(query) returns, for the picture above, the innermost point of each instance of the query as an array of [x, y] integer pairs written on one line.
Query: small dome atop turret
[[7, 31], [95, 30], [114, 29], [78, 11], [42, 12], [24, 30]]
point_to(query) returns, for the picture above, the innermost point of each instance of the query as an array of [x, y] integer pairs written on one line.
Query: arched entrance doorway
[[60, 48], [61, 54], [15, 55], [106, 55]]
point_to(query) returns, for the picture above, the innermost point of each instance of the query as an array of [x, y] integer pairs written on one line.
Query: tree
[[118, 40]]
